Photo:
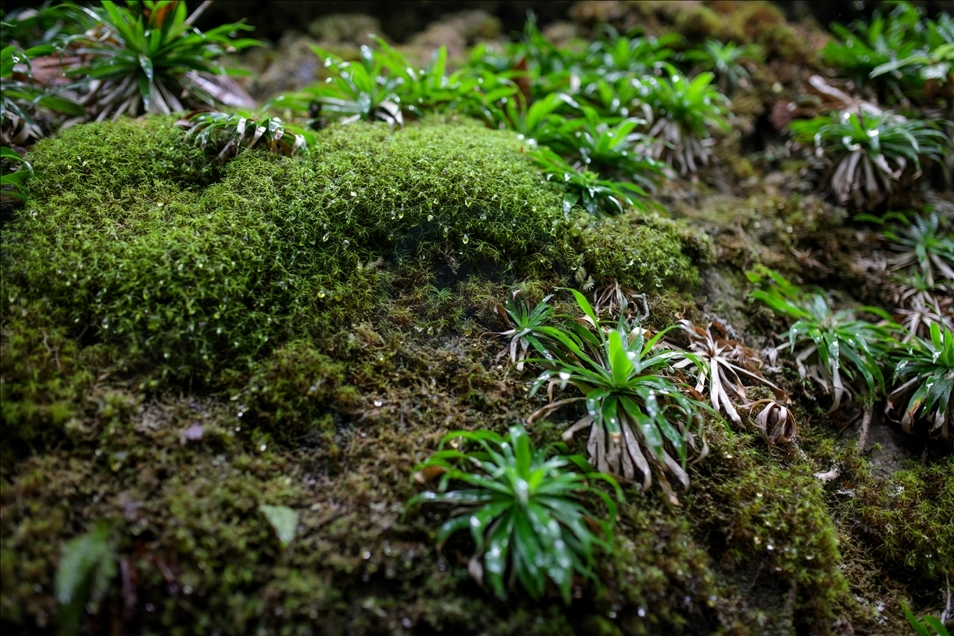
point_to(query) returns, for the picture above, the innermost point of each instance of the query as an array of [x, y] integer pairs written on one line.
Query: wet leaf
[[284, 521]]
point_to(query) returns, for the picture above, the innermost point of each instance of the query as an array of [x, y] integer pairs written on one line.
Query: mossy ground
[[183, 341]]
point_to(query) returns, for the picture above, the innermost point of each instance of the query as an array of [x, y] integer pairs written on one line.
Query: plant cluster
[[923, 260], [838, 349], [835, 346], [618, 76], [576, 104], [924, 375], [523, 509], [21, 98], [903, 54], [234, 132], [728, 365], [870, 154], [640, 422], [725, 60], [141, 58]]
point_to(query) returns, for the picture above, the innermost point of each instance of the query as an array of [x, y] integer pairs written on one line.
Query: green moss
[[190, 282], [294, 393], [906, 519], [43, 377], [110, 158], [642, 251], [772, 518]]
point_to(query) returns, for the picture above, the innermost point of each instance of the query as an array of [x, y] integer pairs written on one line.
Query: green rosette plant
[[525, 511]]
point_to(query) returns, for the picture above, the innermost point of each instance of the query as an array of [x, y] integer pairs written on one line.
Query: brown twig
[[865, 425]]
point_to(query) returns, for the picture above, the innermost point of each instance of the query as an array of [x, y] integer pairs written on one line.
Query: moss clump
[[443, 192], [43, 377], [175, 285], [110, 158], [771, 518], [295, 394], [906, 519], [646, 252]]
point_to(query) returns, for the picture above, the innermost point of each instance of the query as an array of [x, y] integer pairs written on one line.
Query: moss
[[191, 282], [772, 518], [43, 377], [906, 518], [643, 251], [294, 394], [442, 192], [110, 158]]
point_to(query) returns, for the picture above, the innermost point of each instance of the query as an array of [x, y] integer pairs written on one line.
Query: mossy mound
[[188, 279]]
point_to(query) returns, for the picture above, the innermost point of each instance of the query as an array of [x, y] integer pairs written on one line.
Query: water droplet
[[465, 240], [430, 217], [325, 237], [378, 403], [346, 242]]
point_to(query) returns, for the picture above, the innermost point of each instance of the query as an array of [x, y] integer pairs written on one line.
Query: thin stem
[[195, 14]]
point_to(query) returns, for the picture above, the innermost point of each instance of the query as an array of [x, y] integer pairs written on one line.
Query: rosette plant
[[525, 328], [640, 422], [144, 57], [585, 187], [835, 347], [870, 152], [725, 60], [924, 383], [526, 512], [680, 115], [234, 132]]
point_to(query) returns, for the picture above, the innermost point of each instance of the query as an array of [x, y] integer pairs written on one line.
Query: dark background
[[402, 18]]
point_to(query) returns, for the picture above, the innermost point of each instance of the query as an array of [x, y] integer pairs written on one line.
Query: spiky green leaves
[[899, 52], [924, 375], [680, 114], [586, 189], [524, 511], [525, 328], [836, 347], [641, 424], [234, 132], [142, 58], [870, 152], [21, 97]]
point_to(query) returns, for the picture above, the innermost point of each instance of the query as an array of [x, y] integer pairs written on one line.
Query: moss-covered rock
[[771, 518], [190, 280]]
